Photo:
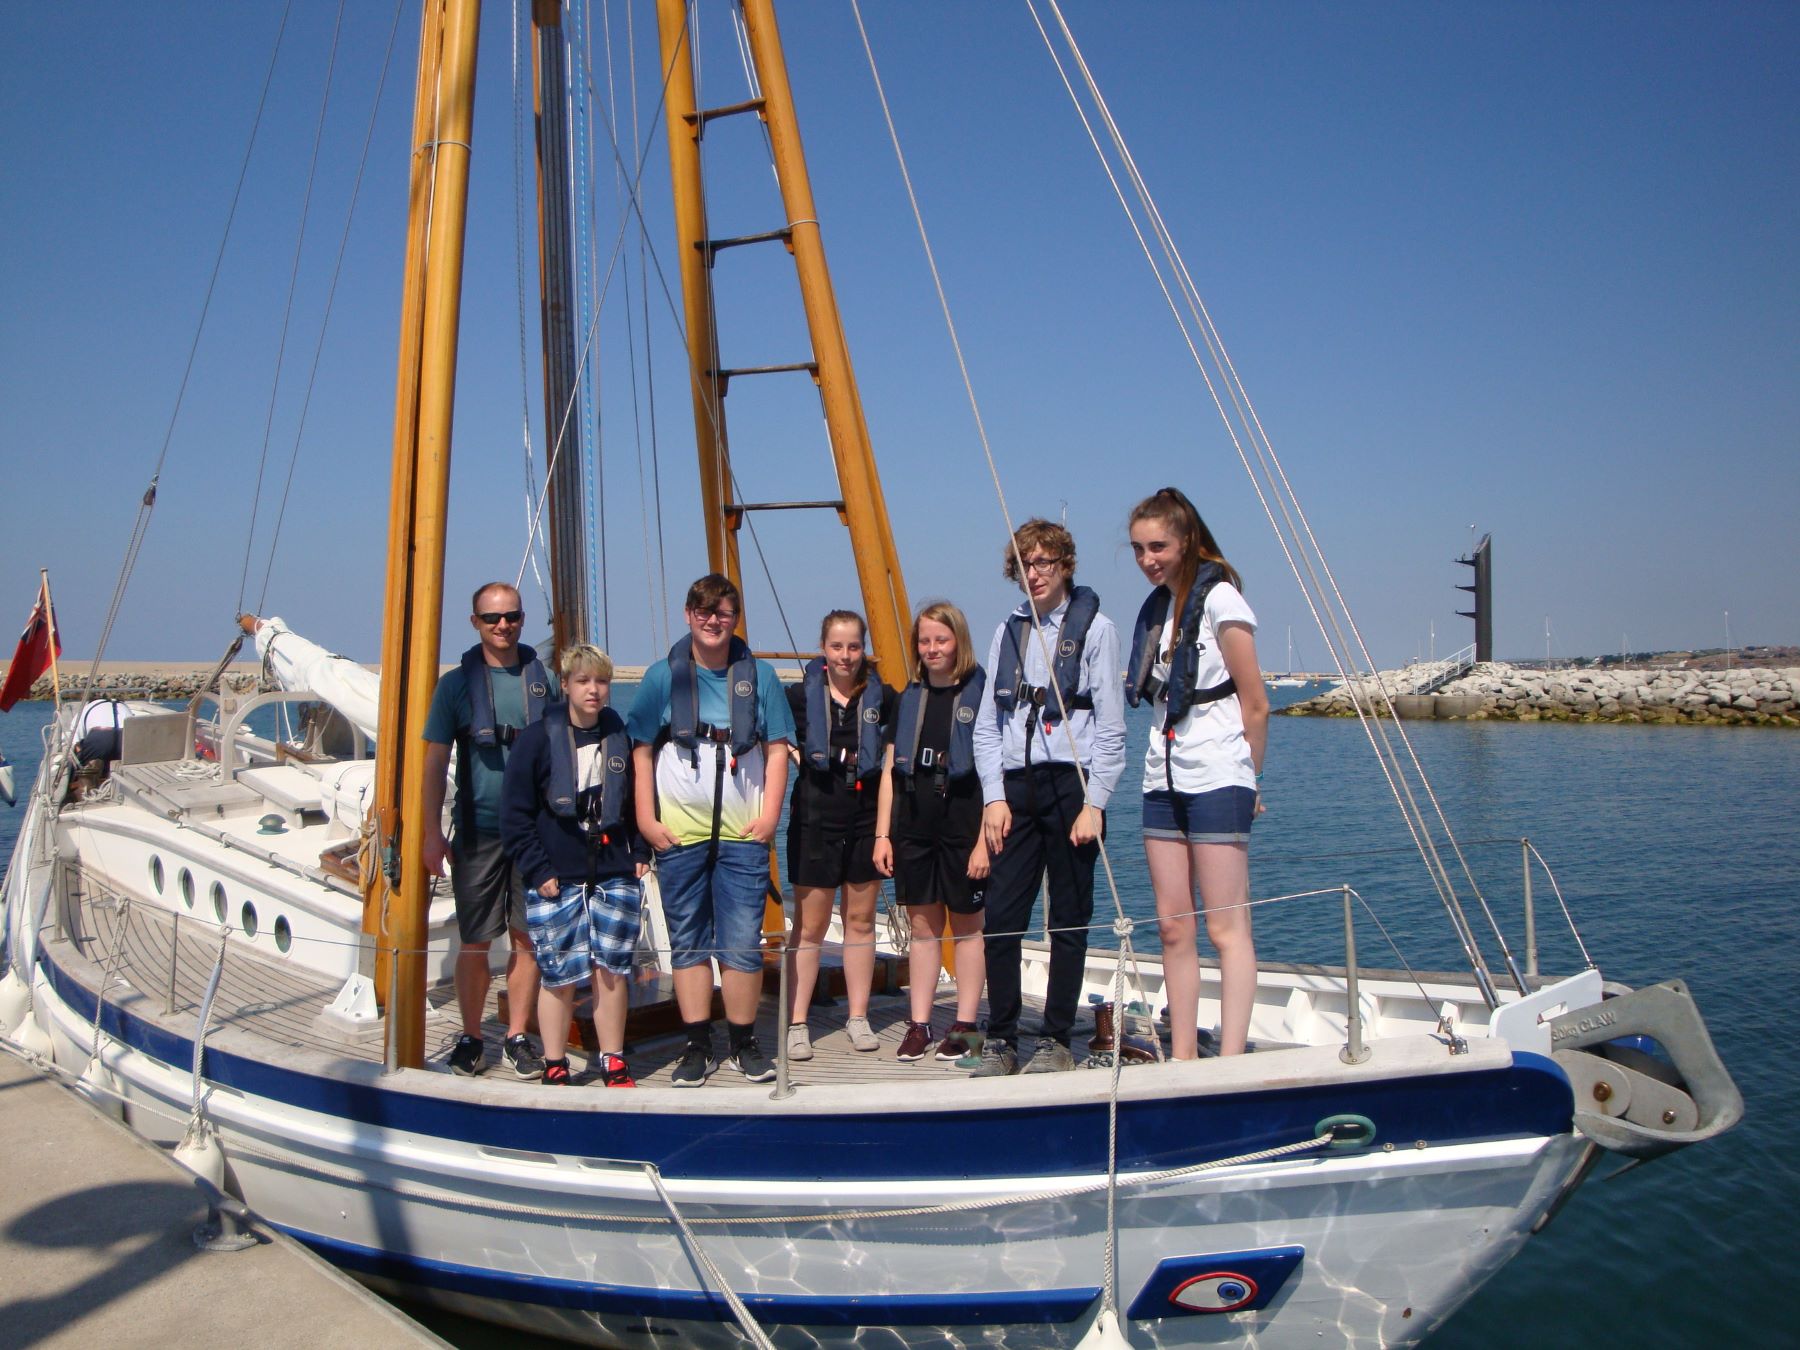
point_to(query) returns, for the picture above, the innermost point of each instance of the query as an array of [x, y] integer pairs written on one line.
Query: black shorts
[[490, 895], [934, 834], [831, 834]]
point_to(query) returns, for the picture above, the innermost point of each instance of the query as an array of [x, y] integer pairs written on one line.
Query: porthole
[[218, 899], [156, 872], [186, 881], [247, 916], [284, 934]]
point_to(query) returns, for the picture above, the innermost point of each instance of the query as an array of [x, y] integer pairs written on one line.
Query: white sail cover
[[298, 664]]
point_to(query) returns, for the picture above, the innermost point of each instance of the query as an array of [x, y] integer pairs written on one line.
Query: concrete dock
[[97, 1248]]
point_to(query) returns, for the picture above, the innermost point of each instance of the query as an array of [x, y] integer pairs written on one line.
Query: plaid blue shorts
[[579, 929]]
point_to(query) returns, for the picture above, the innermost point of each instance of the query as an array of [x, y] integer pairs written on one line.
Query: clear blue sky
[[1526, 267]]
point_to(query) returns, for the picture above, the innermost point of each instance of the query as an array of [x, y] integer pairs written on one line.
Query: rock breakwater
[[1497, 691]]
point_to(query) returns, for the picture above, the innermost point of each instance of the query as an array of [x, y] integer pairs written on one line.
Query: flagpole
[[50, 618]]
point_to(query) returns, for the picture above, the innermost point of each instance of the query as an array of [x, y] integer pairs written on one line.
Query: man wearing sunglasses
[[499, 688]]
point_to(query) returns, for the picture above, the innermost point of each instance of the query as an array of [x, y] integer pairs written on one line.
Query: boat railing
[[238, 748]]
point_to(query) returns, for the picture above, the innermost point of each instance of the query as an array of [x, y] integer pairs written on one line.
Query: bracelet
[[881, 836]]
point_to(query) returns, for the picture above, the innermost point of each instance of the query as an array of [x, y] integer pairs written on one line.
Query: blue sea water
[[1677, 852]]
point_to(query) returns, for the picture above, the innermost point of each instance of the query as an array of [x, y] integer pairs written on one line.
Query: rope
[[744, 1318]]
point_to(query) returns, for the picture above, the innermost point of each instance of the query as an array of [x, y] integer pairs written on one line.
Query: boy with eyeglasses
[[1049, 746], [710, 728], [497, 690]]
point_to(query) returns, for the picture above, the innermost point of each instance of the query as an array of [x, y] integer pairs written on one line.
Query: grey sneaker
[[862, 1036], [748, 1059], [799, 1041], [522, 1057], [692, 1068], [466, 1056], [1049, 1057], [998, 1059]]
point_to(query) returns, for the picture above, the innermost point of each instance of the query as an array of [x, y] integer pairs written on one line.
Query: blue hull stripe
[[1529, 1099], [846, 1310]]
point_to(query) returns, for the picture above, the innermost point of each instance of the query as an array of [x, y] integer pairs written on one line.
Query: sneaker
[[613, 1072], [962, 1039], [748, 1059], [466, 1057], [522, 1057], [998, 1059], [862, 1035], [556, 1072], [799, 1041], [915, 1043], [1049, 1057], [692, 1068]]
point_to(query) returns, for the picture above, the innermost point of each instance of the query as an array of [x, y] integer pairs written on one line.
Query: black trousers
[[1044, 799]]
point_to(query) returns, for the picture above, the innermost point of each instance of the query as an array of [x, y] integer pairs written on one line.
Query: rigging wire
[[1298, 537], [577, 90], [330, 302], [147, 504], [287, 310]]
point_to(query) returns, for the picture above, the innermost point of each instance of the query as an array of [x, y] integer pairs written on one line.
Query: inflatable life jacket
[[909, 721], [1184, 650], [1010, 689], [564, 795], [534, 683], [817, 737], [685, 727]]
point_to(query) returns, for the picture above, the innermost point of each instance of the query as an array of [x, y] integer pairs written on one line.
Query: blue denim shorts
[[1222, 816], [579, 929], [716, 910]]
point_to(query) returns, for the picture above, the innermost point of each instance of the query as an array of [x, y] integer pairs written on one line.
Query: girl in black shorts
[[841, 712], [928, 831]]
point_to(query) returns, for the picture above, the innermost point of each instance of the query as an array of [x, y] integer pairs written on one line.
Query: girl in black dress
[[841, 712], [928, 830]]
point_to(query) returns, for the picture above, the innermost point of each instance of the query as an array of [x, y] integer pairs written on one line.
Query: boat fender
[[1105, 1334], [201, 1153], [30, 1037], [15, 1002], [101, 1087]]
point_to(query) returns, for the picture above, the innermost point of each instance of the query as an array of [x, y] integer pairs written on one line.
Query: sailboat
[[1289, 680], [231, 942]]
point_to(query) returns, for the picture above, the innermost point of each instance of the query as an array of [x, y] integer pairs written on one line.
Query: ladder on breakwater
[[1457, 665]]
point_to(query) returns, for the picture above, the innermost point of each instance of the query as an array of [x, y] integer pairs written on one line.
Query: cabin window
[[156, 872], [186, 881], [284, 934], [218, 899], [247, 917]]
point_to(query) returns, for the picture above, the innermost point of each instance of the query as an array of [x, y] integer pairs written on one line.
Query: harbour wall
[[1496, 691]]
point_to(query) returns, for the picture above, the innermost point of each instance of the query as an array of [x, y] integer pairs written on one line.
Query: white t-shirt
[[1210, 750]]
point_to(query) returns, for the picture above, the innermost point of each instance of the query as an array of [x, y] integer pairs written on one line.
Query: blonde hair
[[584, 656], [942, 611]]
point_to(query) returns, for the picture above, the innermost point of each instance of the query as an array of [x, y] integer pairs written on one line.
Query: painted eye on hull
[[1216, 1292]]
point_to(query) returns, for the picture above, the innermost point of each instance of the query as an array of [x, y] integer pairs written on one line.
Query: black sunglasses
[[493, 616]]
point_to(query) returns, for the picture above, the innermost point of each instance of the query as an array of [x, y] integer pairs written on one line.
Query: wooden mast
[[424, 401]]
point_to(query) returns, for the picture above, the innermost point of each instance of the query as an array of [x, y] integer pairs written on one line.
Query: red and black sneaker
[[556, 1072], [614, 1072]]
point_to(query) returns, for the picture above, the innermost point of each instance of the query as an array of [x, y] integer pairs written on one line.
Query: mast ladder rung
[[734, 511], [705, 115], [711, 248], [784, 656], [724, 376]]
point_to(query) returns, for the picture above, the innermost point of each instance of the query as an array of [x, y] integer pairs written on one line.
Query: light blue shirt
[[1099, 733]]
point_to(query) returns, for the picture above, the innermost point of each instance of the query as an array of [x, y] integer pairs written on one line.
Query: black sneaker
[[556, 1072], [466, 1057], [748, 1059], [522, 1057], [692, 1068]]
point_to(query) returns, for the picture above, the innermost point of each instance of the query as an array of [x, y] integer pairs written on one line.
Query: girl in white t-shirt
[[1194, 658]]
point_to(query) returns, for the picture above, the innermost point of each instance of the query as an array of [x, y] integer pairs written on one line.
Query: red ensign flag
[[37, 645]]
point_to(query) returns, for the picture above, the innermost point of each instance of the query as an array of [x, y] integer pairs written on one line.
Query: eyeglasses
[[1042, 564], [713, 617], [493, 617]]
